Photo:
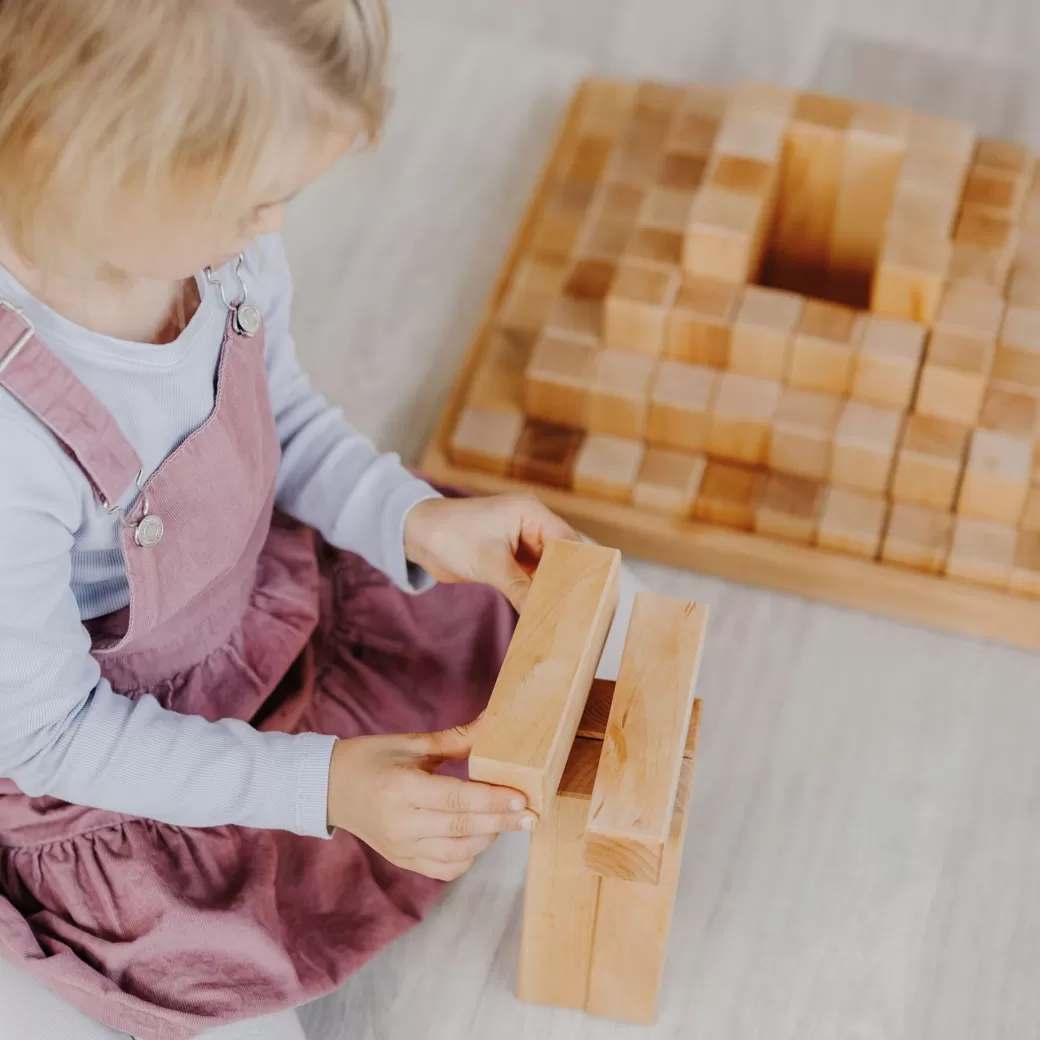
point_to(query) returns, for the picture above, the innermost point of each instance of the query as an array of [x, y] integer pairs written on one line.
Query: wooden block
[[561, 897], [982, 552], [619, 392], [620, 203], [668, 209], [911, 275], [919, 209], [1006, 155], [597, 713], [1018, 351], [525, 738], [803, 433], [864, 447], [929, 462], [751, 135], [486, 440], [970, 313], [699, 327], [669, 482], [556, 233], [546, 454], [1006, 411], [572, 317], [765, 99], [940, 136], [740, 174], [637, 307], [790, 508], [1025, 574], [654, 246], [589, 158], [498, 384], [986, 231], [824, 348], [557, 380], [851, 523], [996, 191], [706, 99], [1024, 288], [728, 495], [742, 416], [954, 376], [1030, 519], [535, 286], [635, 159], [681, 403], [918, 538], [638, 779], [887, 362], [763, 331], [607, 107], [723, 239], [590, 279], [996, 478], [604, 240], [980, 268], [681, 171], [693, 133], [607, 467]]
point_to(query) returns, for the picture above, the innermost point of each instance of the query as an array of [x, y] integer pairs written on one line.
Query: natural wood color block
[[1025, 573], [941, 136], [864, 447], [986, 231], [981, 269], [738, 173], [619, 391], [996, 191], [765, 99], [537, 283], [607, 467], [557, 380], [638, 779], [751, 135], [1007, 411], [996, 478], [929, 462], [742, 416], [824, 348], [590, 279], [911, 275], [681, 403], [607, 108], [669, 482], [921, 210], [604, 240], [851, 523], [556, 233], [954, 376], [1018, 352], [546, 454], [668, 209], [637, 307], [1006, 155], [486, 440], [803, 433], [620, 203], [707, 99], [525, 738], [918, 538], [597, 713], [636, 158], [681, 171], [499, 384], [699, 327], [724, 238], [967, 312], [887, 362], [790, 508], [763, 330], [590, 157], [654, 246], [572, 317], [693, 133], [728, 495], [982, 552]]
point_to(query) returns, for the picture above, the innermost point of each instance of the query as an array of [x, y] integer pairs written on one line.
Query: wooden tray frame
[[846, 581]]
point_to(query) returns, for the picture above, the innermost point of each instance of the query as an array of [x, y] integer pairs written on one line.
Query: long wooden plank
[[597, 711], [536, 705], [634, 797]]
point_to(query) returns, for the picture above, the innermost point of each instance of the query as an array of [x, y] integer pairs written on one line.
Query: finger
[[451, 795], [514, 582], [539, 525], [449, 744], [454, 850], [429, 824]]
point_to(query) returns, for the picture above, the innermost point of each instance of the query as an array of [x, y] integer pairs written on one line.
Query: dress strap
[[48, 388]]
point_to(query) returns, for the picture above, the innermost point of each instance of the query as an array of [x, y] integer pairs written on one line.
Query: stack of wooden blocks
[[793, 314], [608, 768]]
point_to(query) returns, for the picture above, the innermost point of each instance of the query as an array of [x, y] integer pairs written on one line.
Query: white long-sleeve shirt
[[63, 731]]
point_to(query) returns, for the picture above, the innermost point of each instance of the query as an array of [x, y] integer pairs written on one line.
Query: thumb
[[448, 744], [515, 583]]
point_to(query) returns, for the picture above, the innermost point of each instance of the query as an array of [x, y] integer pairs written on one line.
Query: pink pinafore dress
[[235, 612]]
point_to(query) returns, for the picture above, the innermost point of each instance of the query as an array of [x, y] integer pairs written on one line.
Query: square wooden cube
[[929, 462], [621, 203], [486, 440], [693, 133], [536, 285], [546, 454], [864, 447], [667, 208], [939, 135], [575, 318], [996, 477], [699, 327], [723, 239], [918, 538], [1006, 155], [764, 99], [982, 552], [790, 508], [682, 171], [498, 384], [802, 438], [970, 313], [728, 495], [985, 231], [763, 332], [1025, 572], [635, 159], [607, 467], [887, 362], [911, 274], [954, 376], [557, 380], [556, 233], [619, 393], [589, 158], [607, 108], [1018, 351], [604, 240], [655, 247], [824, 349], [681, 404], [669, 481], [742, 417], [637, 308], [751, 135], [852, 523], [999, 192], [979, 269], [1009, 411], [741, 174]]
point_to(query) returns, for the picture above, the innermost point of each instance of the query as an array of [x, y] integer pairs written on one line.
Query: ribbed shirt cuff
[[313, 759], [407, 576]]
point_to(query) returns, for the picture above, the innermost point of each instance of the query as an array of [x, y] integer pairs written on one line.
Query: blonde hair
[[98, 97]]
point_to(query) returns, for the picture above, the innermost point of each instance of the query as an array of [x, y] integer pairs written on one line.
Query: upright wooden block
[[589, 158], [803, 434], [590, 279], [1025, 573], [943, 137], [546, 454], [1018, 353], [982, 270], [572, 317], [911, 275], [681, 404], [741, 174], [763, 99], [723, 239], [996, 192], [929, 462], [742, 417], [655, 247], [751, 135], [851, 523], [620, 203], [619, 392], [604, 240], [525, 738], [498, 384], [954, 376], [996, 478], [667, 208], [728, 495], [982, 552], [1012, 412], [888, 361], [970, 313], [824, 350], [763, 331], [536, 285], [634, 796], [669, 482], [557, 380], [607, 108], [918, 538], [681, 171], [486, 440], [607, 467], [790, 508], [692, 133], [699, 327], [637, 308], [864, 447]]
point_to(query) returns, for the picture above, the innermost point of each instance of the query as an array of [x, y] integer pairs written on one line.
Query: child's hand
[[493, 541], [384, 791]]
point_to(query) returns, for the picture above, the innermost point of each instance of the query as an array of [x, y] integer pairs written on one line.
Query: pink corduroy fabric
[[165, 931]]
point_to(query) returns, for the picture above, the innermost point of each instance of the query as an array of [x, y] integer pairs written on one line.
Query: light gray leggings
[[29, 1011]]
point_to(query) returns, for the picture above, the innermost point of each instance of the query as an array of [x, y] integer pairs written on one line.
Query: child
[[204, 816]]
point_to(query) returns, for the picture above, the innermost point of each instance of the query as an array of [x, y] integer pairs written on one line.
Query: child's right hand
[[384, 790]]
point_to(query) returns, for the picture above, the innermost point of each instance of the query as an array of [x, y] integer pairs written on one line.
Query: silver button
[[149, 531], [247, 320]]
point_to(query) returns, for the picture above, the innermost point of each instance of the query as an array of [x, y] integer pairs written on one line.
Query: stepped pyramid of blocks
[[808, 317]]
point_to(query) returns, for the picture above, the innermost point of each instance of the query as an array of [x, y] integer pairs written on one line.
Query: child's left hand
[[492, 541]]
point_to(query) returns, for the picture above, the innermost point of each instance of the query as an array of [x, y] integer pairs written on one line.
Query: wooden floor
[[864, 848]]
